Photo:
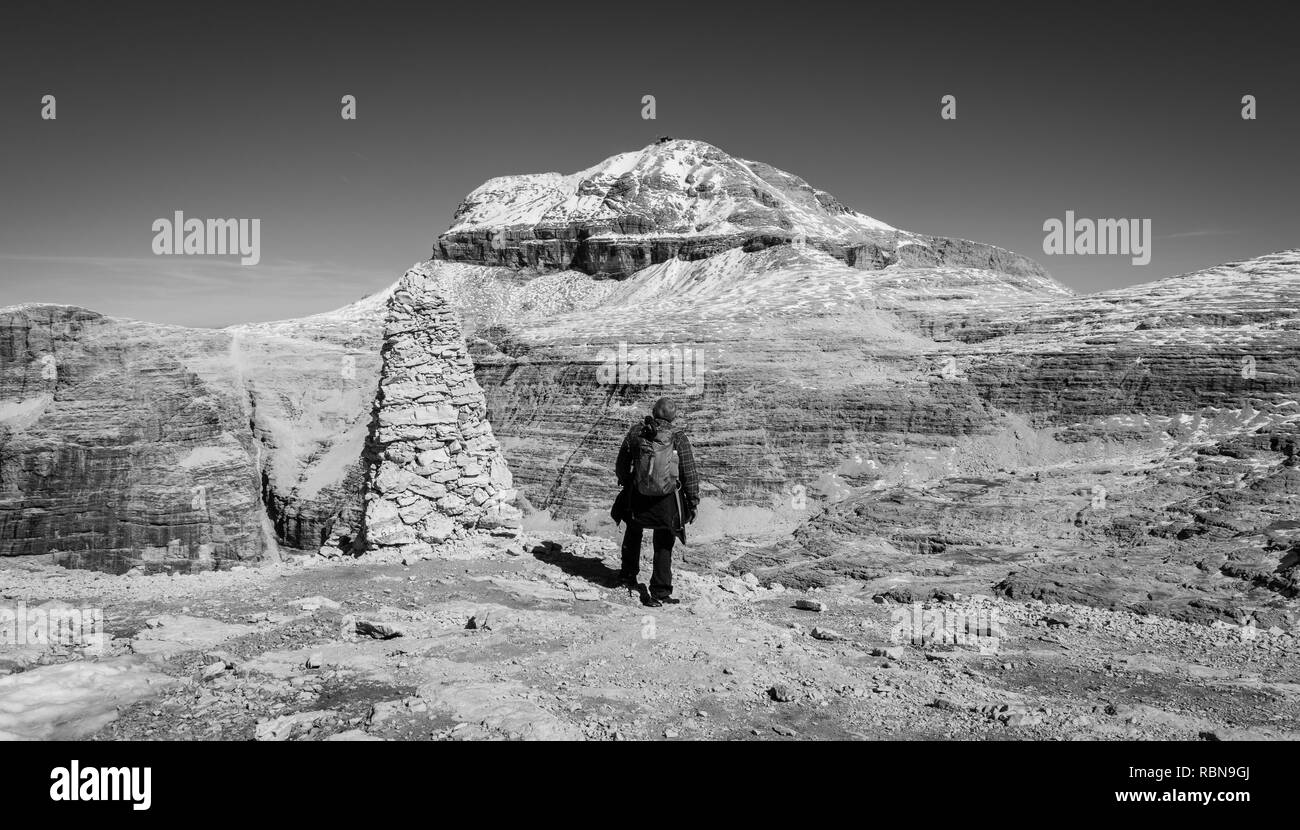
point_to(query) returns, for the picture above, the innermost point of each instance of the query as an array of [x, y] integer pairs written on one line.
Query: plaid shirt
[[687, 473]]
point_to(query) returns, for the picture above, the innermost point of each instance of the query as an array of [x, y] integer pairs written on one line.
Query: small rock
[[316, 660], [826, 634], [810, 605], [897, 594], [1061, 620], [215, 656], [316, 603], [890, 652], [378, 630], [733, 585], [287, 726], [781, 693], [784, 730]]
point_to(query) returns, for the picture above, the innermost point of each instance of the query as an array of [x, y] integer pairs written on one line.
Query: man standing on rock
[[661, 490]]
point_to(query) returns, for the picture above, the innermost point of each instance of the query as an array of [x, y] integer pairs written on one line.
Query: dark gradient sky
[[1108, 110]]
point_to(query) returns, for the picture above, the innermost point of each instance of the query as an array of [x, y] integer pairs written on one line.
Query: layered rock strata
[[118, 448]]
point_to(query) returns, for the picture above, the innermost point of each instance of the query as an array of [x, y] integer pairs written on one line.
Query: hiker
[[660, 492]]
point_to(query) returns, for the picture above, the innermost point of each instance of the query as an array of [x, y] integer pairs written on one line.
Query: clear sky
[[221, 110]]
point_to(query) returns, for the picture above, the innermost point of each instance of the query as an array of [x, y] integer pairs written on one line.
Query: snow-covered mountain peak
[[673, 187], [685, 200]]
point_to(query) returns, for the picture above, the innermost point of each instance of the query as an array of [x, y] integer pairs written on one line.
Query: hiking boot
[[651, 602], [668, 600]]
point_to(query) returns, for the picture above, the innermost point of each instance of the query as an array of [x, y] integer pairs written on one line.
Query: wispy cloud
[[1205, 232]]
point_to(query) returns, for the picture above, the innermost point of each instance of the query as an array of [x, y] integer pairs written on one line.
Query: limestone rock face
[[1139, 451], [118, 448], [310, 384], [128, 444], [783, 365], [436, 467]]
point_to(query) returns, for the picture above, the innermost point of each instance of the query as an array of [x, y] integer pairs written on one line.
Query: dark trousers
[[661, 579]]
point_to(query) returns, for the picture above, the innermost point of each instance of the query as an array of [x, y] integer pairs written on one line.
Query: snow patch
[[71, 701]]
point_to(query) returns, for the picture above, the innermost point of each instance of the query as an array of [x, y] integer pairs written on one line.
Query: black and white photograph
[[656, 372]]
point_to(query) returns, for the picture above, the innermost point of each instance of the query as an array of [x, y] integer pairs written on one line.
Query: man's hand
[[690, 513]]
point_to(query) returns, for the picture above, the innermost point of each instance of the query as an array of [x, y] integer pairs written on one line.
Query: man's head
[[665, 409]]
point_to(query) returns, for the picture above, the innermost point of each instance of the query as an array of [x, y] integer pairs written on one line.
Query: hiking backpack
[[656, 463]]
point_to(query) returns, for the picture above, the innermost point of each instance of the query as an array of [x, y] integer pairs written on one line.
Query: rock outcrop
[[436, 466], [310, 384], [118, 447]]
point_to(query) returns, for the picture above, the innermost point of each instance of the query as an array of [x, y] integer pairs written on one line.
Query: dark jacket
[[656, 511]]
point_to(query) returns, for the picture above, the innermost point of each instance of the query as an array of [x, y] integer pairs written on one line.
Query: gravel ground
[[531, 638]]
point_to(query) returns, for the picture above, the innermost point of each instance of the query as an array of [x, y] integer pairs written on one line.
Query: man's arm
[[623, 466], [687, 472]]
